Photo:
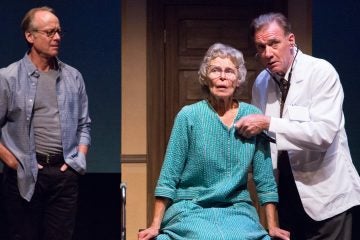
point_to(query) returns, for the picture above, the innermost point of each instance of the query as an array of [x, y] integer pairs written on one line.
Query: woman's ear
[[238, 83]]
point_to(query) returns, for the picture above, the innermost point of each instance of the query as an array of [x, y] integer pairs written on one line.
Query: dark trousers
[[50, 215], [292, 216]]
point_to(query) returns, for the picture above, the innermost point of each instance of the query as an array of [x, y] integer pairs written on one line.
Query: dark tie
[[283, 158], [284, 86]]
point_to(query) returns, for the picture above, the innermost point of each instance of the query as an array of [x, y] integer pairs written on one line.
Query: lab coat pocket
[[298, 113]]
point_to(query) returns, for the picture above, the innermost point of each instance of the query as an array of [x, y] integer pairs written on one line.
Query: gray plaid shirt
[[18, 84]]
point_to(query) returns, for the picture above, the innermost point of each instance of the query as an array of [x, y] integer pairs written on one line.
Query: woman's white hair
[[223, 51]]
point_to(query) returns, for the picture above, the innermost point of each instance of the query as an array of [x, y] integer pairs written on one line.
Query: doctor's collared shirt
[[18, 84]]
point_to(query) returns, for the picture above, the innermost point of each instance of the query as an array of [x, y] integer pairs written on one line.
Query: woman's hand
[[272, 223], [148, 233], [278, 233], [159, 210]]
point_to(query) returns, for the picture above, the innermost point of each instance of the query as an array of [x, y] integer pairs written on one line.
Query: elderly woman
[[202, 189]]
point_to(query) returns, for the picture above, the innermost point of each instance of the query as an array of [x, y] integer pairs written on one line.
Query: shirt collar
[[32, 70]]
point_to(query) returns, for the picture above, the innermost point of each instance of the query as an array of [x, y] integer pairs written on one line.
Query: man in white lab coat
[[318, 183]]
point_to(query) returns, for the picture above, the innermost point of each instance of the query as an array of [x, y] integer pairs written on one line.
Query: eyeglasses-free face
[[274, 48], [50, 33]]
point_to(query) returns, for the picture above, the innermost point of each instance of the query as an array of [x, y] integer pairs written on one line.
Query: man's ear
[[29, 37], [291, 39]]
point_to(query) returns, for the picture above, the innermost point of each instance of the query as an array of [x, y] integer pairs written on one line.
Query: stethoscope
[[264, 134], [290, 72]]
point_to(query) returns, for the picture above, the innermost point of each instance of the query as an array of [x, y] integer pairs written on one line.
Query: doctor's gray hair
[[268, 18]]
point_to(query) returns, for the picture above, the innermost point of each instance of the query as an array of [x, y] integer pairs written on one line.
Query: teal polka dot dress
[[204, 174]]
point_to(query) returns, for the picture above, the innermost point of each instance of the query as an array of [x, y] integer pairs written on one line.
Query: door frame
[[155, 97]]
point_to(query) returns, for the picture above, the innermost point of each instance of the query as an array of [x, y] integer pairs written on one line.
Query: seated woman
[[202, 189]]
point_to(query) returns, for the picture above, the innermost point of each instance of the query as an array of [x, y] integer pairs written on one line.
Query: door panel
[[190, 31]]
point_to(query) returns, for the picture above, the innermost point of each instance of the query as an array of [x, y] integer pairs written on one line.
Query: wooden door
[[179, 33]]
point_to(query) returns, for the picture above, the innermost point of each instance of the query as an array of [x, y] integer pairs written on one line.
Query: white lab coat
[[312, 131]]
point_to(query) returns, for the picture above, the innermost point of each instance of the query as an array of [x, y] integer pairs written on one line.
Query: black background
[[92, 45]]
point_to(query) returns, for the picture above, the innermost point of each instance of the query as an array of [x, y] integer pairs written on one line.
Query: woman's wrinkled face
[[222, 77], [274, 48]]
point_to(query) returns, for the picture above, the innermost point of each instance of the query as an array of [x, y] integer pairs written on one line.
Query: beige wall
[[133, 122], [134, 175], [133, 59], [300, 16], [133, 139]]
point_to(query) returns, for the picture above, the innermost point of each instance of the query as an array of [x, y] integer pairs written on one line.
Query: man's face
[[274, 48], [45, 37]]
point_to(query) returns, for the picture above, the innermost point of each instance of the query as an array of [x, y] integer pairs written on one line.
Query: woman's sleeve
[[175, 157], [263, 173]]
